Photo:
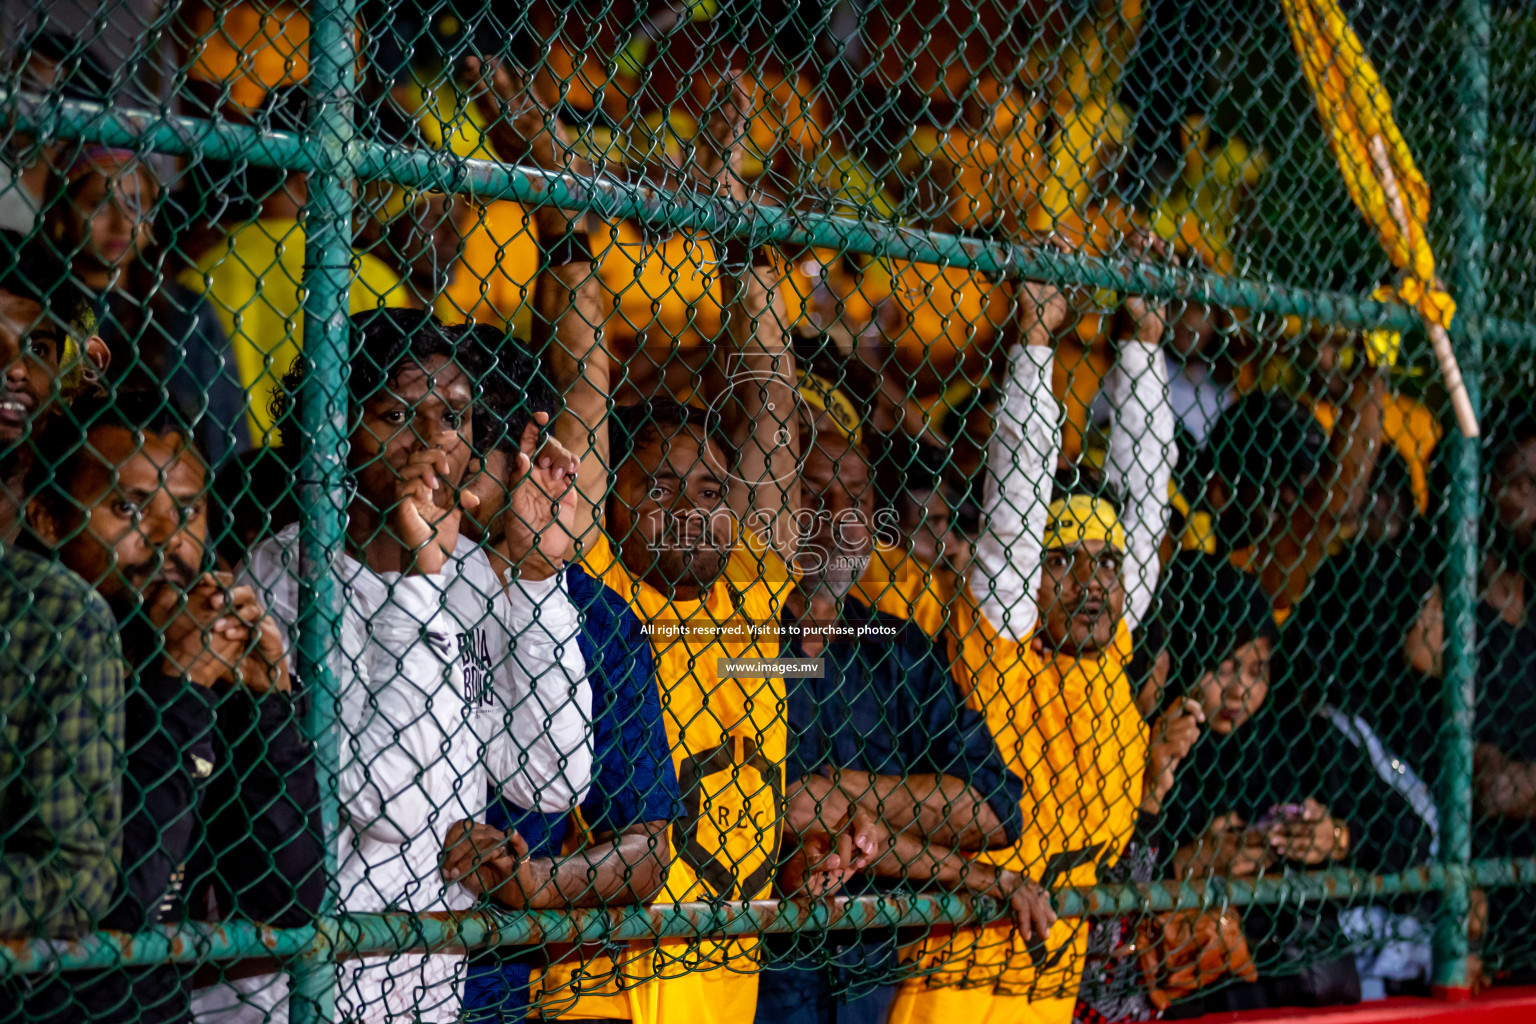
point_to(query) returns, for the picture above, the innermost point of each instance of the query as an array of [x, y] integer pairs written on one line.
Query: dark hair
[[1506, 426], [903, 465], [630, 426], [1081, 478], [1263, 440], [42, 279], [253, 498], [384, 342], [512, 387], [1206, 609], [62, 444]]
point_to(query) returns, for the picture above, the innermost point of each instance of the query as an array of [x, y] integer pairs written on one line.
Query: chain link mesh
[[706, 511]]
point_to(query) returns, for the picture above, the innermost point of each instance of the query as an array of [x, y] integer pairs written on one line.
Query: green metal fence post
[[323, 413], [1461, 571]]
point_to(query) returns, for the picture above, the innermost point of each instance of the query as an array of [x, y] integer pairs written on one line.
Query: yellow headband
[[1083, 517], [819, 393]]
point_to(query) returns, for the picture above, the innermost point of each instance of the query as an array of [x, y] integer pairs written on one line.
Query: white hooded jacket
[[447, 684]]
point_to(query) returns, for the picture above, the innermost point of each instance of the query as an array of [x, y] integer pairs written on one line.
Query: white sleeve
[[540, 749], [392, 738], [1140, 462], [1021, 463]]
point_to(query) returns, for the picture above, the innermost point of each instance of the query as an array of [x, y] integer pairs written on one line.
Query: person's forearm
[[568, 302], [1021, 457], [1336, 494], [625, 871], [759, 369], [916, 860], [1140, 459], [815, 804], [1354, 448], [941, 808]]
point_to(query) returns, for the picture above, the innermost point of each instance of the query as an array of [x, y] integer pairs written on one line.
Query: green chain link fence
[[876, 278]]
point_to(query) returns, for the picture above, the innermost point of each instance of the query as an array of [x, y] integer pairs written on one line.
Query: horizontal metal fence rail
[[435, 170], [374, 934]]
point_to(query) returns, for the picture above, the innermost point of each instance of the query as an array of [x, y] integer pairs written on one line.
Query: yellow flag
[[1377, 166]]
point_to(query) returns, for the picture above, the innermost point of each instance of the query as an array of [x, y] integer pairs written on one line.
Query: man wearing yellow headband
[[1060, 577]]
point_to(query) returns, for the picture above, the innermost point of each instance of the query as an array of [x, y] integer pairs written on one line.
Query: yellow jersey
[[1069, 727], [729, 737], [252, 282], [898, 583]]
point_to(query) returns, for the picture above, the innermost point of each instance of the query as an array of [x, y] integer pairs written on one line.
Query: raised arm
[[1021, 459], [758, 366], [569, 311], [1337, 494], [568, 302], [1141, 451]]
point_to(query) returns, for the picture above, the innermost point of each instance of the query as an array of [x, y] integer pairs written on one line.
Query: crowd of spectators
[[1095, 588]]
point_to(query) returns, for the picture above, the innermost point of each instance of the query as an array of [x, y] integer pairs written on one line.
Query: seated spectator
[[162, 337], [883, 736], [218, 775], [979, 171], [1300, 783], [51, 353], [1382, 576], [612, 851], [941, 323], [1504, 778], [251, 280], [238, 54], [428, 627], [1203, 213], [1356, 677]]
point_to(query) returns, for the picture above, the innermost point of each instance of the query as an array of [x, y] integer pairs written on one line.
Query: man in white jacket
[[448, 682]]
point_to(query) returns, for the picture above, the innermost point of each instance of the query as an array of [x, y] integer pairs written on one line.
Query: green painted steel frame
[[373, 934], [335, 160], [434, 170], [1468, 280]]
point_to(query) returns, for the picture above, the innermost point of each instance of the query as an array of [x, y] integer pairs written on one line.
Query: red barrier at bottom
[[1499, 1006]]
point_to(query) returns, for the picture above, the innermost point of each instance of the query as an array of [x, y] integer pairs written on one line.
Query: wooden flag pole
[[1466, 418]]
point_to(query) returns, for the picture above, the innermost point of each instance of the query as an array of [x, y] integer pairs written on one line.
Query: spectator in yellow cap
[[1059, 579]]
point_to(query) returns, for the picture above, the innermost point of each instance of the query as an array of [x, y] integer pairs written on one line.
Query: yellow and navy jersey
[[900, 584], [1069, 728], [729, 737]]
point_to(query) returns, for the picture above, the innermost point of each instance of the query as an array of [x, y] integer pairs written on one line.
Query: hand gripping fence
[[687, 510]]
